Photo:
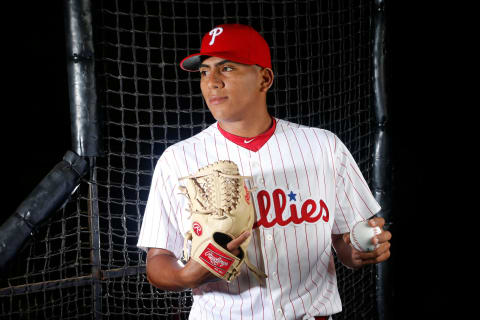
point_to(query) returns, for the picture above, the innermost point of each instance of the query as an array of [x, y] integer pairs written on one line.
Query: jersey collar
[[252, 143]]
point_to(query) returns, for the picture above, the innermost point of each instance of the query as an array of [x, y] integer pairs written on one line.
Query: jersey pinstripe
[[308, 187]]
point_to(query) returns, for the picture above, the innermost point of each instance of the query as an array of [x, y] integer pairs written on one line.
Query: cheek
[[244, 89], [203, 87]]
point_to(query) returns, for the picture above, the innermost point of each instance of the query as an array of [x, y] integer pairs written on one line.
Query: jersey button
[[269, 237]]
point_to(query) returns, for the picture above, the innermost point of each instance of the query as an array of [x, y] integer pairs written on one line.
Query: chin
[[221, 115]]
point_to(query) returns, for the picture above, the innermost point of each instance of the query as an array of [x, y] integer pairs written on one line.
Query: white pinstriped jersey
[[308, 186]]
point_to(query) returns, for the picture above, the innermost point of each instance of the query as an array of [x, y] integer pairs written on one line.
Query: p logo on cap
[[215, 32]]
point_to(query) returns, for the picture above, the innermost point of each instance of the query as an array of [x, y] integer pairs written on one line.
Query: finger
[[377, 222], [383, 237], [380, 250], [381, 258], [235, 243]]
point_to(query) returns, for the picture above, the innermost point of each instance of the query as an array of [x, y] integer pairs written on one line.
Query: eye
[[203, 73], [227, 68]]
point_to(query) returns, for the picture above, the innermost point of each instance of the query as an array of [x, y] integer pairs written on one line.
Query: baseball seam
[[356, 240]]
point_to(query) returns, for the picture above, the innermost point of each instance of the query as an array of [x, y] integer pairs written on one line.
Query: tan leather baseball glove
[[221, 209]]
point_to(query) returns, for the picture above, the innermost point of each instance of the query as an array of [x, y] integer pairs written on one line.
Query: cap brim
[[192, 62]]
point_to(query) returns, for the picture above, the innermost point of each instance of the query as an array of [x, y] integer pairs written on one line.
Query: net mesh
[[83, 263]]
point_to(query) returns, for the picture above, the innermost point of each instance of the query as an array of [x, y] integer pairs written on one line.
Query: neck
[[248, 128]]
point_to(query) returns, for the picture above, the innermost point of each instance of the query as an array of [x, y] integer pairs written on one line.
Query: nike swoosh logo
[[248, 141]]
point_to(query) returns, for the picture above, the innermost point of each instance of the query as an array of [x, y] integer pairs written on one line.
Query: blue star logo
[[292, 196]]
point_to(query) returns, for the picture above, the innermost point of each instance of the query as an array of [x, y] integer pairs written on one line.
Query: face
[[232, 91]]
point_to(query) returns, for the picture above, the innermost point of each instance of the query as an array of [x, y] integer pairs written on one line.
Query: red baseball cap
[[235, 42]]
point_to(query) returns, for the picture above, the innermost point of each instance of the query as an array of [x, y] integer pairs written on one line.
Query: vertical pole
[[382, 168], [84, 114], [94, 223]]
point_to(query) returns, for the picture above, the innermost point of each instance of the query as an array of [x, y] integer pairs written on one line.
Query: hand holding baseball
[[380, 244]]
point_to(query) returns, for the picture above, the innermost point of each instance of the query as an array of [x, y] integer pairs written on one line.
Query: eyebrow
[[216, 65]]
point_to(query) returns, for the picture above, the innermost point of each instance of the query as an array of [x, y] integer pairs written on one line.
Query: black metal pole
[[84, 113], [94, 224], [85, 119], [382, 168]]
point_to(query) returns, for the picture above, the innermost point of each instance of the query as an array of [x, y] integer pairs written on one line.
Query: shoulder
[[200, 137], [322, 136], [176, 157]]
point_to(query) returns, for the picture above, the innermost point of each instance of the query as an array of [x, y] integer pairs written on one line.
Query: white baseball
[[362, 234]]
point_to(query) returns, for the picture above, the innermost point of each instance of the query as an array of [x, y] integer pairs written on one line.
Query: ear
[[266, 79]]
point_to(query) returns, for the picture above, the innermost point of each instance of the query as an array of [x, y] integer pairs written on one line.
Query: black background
[[36, 135]]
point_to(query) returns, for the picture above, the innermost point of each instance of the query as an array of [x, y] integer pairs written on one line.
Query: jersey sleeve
[[354, 200], [161, 225]]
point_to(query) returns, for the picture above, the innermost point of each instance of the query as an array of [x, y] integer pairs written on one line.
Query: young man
[[309, 193]]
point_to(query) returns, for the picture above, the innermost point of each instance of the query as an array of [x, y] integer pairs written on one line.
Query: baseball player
[[308, 192]]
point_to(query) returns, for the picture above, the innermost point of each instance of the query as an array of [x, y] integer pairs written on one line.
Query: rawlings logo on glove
[[216, 260], [221, 210]]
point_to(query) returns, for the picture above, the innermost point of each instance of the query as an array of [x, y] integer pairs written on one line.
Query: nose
[[214, 80]]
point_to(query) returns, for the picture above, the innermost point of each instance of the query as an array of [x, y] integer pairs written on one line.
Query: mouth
[[216, 100]]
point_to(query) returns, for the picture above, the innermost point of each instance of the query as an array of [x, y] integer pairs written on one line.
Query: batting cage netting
[[83, 262]]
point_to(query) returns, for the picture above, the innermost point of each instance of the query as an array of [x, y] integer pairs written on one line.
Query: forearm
[[164, 271]]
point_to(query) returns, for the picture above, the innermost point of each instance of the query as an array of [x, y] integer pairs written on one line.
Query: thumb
[[346, 238], [235, 243]]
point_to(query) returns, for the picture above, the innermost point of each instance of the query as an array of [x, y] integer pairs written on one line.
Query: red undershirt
[[252, 143]]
